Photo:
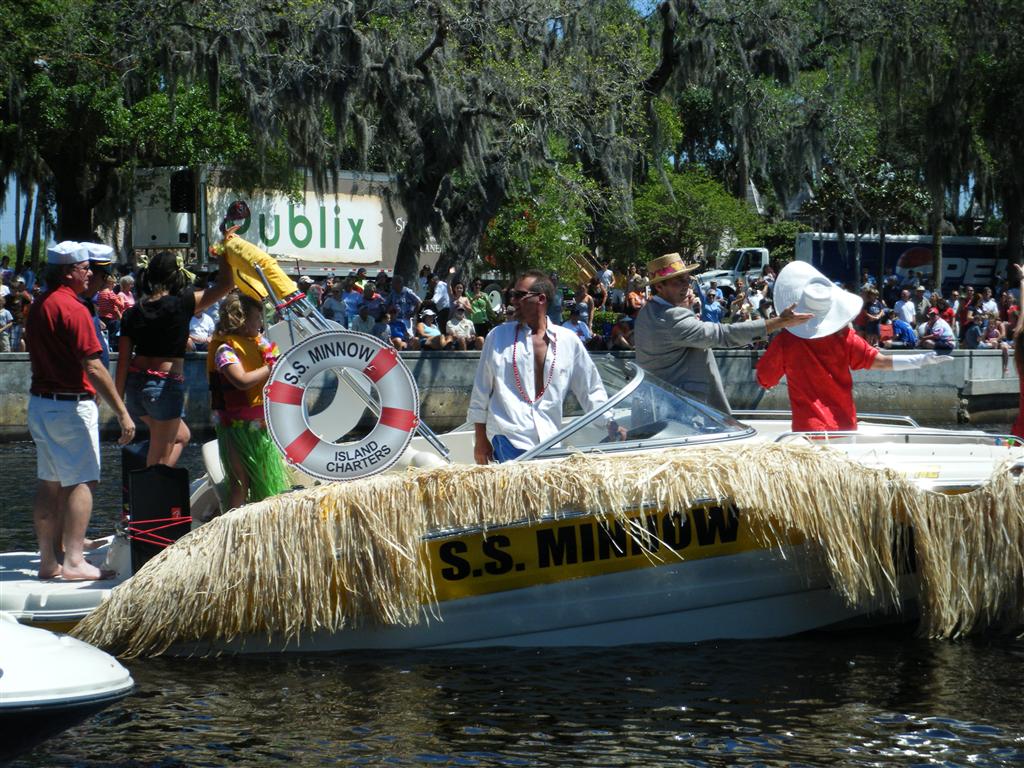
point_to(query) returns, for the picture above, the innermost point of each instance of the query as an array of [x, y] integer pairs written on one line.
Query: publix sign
[[333, 228]]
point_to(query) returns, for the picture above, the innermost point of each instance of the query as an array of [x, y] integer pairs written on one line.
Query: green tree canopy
[[691, 214]]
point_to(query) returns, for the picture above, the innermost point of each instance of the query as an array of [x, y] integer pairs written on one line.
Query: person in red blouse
[[110, 306], [818, 356]]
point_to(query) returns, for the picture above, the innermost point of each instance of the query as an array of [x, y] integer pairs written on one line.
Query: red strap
[[290, 300], [301, 447], [285, 394], [399, 418], [381, 365], [150, 536]]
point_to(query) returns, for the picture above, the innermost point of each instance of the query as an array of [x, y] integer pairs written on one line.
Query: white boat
[[576, 576], [682, 562], [579, 578], [50, 682]]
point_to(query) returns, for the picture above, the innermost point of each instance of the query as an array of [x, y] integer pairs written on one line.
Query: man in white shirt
[[333, 306], [442, 299], [462, 331], [905, 308], [200, 330], [989, 305], [526, 368], [363, 322]]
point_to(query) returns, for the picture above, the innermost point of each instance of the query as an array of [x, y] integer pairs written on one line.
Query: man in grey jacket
[[675, 345]]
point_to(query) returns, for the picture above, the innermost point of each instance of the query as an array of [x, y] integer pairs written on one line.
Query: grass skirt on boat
[[258, 454], [343, 555]]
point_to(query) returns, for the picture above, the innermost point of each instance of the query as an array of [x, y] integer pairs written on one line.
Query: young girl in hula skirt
[[238, 363]]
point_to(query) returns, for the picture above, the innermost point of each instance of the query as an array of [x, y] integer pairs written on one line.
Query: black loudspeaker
[[133, 456], [183, 191], [160, 510]]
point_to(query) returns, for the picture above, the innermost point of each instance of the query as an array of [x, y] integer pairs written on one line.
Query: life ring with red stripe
[[288, 421]]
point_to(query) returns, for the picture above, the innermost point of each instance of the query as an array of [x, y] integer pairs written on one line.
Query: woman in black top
[[151, 351]]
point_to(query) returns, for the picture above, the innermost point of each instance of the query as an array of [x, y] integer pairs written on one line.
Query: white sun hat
[[801, 284]]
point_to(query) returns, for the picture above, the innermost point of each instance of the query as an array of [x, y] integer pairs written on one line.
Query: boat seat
[[414, 457], [425, 459], [211, 460]]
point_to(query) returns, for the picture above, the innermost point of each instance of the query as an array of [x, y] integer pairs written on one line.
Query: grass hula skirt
[[260, 457]]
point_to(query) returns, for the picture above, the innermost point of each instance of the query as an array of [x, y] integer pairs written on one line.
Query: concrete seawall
[[972, 387]]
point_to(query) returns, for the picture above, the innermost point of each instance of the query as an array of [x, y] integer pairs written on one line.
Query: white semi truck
[[746, 263]]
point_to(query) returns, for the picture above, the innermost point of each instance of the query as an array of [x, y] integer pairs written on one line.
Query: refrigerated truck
[[977, 261]]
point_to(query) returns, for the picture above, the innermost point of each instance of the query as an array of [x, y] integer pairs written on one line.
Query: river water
[[875, 698]]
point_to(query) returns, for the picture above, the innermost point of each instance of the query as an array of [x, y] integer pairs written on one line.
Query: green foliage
[[543, 225], [190, 132], [868, 193], [691, 215], [603, 317], [779, 237], [467, 104]]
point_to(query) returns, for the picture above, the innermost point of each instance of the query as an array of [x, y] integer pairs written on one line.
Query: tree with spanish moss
[[456, 99]]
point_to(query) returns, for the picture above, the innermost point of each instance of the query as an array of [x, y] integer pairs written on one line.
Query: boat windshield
[[642, 411]]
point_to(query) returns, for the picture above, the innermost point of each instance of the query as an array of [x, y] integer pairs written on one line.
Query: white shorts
[[67, 438]]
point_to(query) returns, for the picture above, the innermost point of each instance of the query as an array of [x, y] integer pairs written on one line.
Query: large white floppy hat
[[801, 284]]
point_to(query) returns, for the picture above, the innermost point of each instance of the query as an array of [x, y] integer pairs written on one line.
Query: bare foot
[[91, 544], [85, 572], [50, 573]]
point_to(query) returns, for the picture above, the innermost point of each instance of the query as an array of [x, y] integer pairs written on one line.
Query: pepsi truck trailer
[[977, 261]]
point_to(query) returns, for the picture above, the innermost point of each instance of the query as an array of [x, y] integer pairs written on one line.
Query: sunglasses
[[515, 293]]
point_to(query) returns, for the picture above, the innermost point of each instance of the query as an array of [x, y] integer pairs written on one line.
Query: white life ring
[[288, 421]]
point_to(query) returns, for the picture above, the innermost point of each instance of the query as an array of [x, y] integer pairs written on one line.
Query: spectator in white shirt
[[576, 325], [200, 330], [462, 331], [935, 333], [333, 307], [989, 305], [363, 322], [905, 308], [442, 299]]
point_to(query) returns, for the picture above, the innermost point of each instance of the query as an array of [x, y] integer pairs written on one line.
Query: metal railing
[[867, 418]]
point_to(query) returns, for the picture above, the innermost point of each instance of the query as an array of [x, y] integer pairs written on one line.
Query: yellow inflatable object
[[242, 257]]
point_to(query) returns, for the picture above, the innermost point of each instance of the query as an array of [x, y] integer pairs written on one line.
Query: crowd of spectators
[[905, 312]]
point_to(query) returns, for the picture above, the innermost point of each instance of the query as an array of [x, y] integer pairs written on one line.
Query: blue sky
[[7, 216], [7, 224]]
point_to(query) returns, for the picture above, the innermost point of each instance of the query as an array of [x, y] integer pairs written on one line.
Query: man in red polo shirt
[[63, 416], [817, 357]]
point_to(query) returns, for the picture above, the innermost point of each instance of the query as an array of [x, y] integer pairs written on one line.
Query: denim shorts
[[158, 397]]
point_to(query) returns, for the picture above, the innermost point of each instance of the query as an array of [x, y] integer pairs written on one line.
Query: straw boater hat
[[801, 284], [668, 266]]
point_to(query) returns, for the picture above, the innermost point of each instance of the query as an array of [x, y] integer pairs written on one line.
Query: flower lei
[[515, 370], [269, 350]]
